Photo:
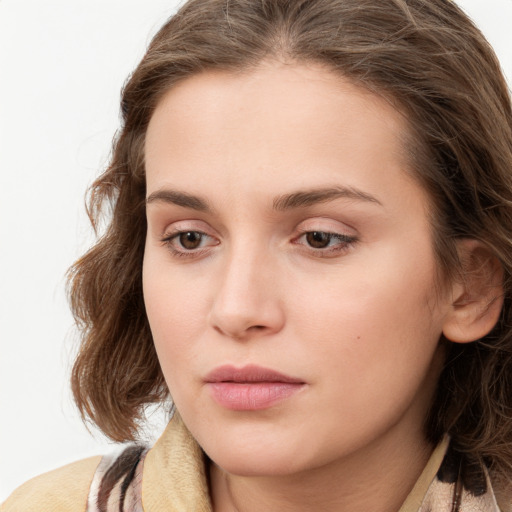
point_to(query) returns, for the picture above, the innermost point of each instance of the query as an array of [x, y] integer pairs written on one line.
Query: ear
[[477, 294]]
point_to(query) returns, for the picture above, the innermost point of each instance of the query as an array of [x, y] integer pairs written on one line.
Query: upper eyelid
[[326, 225], [180, 226], [174, 232]]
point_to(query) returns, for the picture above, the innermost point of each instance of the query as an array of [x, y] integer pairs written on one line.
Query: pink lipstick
[[250, 388]]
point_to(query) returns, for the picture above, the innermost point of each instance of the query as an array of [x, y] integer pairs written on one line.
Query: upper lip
[[249, 373]]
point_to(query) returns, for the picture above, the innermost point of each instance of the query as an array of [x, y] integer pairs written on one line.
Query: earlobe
[[477, 294]]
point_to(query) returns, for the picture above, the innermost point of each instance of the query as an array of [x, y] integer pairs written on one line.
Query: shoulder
[[62, 490]]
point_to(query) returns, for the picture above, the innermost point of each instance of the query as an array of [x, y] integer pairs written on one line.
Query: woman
[[309, 251]]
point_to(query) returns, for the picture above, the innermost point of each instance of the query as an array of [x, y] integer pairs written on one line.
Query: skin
[[358, 321]]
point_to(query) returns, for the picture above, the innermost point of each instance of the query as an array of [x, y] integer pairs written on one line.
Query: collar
[[174, 477], [174, 480]]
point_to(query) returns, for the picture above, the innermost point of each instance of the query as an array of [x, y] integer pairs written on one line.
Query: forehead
[[275, 126]]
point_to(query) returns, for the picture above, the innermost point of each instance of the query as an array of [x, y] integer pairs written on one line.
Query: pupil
[[318, 239], [190, 239]]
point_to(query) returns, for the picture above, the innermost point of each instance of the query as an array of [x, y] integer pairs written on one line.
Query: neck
[[377, 478]]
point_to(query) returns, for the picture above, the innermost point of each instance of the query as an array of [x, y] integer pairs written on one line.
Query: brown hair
[[437, 68]]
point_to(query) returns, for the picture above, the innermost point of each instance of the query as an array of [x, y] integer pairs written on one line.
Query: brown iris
[[190, 239], [318, 239]]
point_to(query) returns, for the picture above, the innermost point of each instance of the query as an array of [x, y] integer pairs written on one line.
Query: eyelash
[[344, 243]]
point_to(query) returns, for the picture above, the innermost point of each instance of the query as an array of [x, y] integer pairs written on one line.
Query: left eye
[[318, 239], [325, 240]]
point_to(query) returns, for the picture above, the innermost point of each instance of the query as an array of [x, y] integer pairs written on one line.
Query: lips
[[248, 374], [251, 387]]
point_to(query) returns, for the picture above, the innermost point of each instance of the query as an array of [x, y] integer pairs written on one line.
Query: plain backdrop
[[62, 65]]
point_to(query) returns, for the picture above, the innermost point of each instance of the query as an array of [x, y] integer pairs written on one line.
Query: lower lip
[[252, 396]]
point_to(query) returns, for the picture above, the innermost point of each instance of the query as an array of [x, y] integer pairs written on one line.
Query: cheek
[[371, 351], [380, 321], [177, 312]]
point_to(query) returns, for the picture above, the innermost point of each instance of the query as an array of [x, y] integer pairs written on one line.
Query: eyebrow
[[305, 198], [299, 199], [180, 199]]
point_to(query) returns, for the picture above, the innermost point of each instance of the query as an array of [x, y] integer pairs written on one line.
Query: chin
[[256, 465], [261, 457]]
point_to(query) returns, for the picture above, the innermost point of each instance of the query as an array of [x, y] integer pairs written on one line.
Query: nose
[[247, 303]]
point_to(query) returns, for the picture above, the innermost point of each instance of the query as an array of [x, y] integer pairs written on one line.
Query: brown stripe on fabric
[[123, 468]]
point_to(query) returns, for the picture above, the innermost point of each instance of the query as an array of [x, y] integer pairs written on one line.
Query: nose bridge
[[247, 299]]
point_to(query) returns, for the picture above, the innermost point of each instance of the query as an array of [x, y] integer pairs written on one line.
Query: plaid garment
[[459, 486]]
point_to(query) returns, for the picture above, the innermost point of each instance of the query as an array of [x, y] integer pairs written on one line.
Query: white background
[[62, 65]]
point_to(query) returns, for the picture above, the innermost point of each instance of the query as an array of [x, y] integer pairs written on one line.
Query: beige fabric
[[62, 490], [170, 481], [440, 498], [417, 494], [503, 493]]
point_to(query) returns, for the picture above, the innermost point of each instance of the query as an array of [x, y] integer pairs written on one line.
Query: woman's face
[[289, 276]]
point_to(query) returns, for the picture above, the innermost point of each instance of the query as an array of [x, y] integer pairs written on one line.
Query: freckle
[[359, 337]]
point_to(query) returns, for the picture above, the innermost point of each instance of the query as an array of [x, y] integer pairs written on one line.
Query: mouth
[[251, 387]]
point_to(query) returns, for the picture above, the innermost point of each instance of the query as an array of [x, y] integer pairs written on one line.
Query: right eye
[[189, 242]]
